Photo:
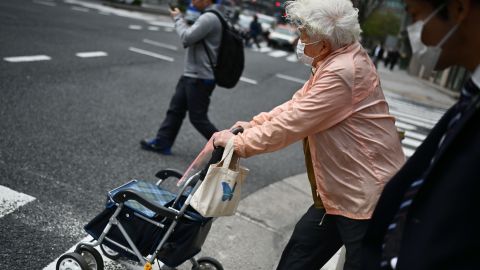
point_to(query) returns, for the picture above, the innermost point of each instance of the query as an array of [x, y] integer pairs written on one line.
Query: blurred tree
[[380, 24], [366, 8]]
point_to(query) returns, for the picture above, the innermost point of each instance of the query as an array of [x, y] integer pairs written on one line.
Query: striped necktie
[[392, 240]]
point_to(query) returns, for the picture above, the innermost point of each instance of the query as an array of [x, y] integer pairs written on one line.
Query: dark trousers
[[317, 237], [192, 95], [255, 40]]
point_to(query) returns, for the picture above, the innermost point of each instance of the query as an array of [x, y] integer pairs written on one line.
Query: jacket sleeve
[[326, 103], [267, 116], [198, 31]]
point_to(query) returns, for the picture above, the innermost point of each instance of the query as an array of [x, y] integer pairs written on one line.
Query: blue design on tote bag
[[227, 191]]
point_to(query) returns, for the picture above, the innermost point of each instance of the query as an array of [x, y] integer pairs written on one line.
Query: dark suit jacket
[[442, 230]]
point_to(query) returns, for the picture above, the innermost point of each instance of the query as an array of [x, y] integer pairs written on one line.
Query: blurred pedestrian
[[377, 54], [387, 58], [195, 86], [351, 145], [425, 218], [254, 32], [393, 57]]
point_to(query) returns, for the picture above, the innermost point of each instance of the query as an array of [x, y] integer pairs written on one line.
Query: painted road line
[[411, 142], [160, 44], [290, 78], [292, 58], [152, 54], [414, 122], [415, 135], [119, 12], [10, 200], [278, 54], [168, 29], [52, 265], [108, 263], [425, 122], [81, 9], [31, 58], [162, 24], [265, 49], [135, 27], [404, 125], [91, 54], [45, 3], [104, 13], [421, 116], [421, 112], [153, 28], [247, 80], [408, 152]]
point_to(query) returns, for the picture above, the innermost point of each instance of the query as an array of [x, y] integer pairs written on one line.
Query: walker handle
[[218, 153]]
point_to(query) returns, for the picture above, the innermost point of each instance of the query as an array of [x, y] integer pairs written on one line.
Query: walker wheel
[[71, 261], [208, 263], [110, 253], [91, 256]]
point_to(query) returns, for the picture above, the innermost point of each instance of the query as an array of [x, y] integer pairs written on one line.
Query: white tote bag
[[220, 191]]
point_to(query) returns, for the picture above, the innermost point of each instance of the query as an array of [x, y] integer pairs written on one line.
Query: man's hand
[[243, 124], [221, 138], [175, 12]]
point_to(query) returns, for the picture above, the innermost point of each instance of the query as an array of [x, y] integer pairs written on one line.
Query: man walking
[[255, 31], [195, 86]]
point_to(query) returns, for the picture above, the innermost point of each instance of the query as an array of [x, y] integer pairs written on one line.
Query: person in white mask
[[425, 218], [427, 55], [350, 140]]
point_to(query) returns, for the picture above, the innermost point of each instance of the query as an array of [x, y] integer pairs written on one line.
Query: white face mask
[[427, 55], [307, 60]]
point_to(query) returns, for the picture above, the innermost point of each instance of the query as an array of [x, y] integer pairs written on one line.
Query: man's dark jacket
[[442, 227]]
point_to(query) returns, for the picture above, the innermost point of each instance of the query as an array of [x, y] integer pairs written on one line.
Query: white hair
[[335, 20]]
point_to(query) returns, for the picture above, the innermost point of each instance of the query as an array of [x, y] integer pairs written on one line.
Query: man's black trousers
[[192, 95]]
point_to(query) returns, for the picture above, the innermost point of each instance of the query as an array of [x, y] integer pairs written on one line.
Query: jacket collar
[[345, 49]]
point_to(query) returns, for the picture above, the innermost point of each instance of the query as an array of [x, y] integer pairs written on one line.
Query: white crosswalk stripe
[[108, 264], [290, 57], [415, 135], [278, 54], [11, 200], [415, 120], [135, 27]]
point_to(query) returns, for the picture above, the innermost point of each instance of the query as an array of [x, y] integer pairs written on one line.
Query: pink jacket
[[353, 140]]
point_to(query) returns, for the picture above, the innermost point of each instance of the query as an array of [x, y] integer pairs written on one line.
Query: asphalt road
[[70, 126]]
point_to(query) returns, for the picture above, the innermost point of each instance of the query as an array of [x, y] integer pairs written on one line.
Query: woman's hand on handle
[[221, 138], [243, 124]]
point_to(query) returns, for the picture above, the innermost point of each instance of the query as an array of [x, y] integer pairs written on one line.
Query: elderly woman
[[350, 141]]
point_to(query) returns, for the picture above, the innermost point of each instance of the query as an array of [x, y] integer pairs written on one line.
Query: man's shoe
[[156, 145]]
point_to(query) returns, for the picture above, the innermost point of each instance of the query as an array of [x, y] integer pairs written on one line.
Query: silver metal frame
[[114, 221]]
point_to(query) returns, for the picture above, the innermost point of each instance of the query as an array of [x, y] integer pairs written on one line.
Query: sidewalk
[[415, 89]]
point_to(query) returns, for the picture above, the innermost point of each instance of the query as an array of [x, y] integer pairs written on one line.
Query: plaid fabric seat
[[147, 190]]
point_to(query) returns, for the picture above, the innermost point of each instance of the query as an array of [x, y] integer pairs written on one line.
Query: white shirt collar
[[476, 76]]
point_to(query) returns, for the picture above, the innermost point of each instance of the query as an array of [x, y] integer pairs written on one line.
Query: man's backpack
[[230, 58]]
